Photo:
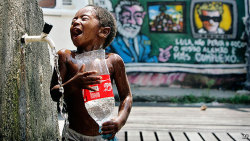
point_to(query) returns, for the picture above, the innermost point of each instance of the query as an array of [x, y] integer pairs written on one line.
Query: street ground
[[152, 121], [184, 122]]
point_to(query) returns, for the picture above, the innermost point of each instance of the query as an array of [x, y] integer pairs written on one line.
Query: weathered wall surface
[[247, 83], [26, 109]]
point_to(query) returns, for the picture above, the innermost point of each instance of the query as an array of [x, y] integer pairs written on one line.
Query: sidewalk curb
[[188, 95]]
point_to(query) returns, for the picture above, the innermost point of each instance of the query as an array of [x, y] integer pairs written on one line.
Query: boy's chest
[[73, 67]]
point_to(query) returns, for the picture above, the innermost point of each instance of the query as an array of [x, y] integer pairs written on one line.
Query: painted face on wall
[[132, 15], [210, 20], [130, 20]]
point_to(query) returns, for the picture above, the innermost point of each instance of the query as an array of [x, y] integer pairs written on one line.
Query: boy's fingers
[[93, 78], [107, 123], [108, 128], [92, 82], [113, 135], [82, 68], [89, 73], [108, 132]]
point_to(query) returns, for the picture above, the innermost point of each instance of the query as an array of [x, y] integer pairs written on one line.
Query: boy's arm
[[54, 86], [124, 91], [81, 80], [122, 84]]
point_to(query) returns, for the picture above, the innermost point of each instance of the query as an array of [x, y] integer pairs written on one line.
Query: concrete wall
[[26, 109]]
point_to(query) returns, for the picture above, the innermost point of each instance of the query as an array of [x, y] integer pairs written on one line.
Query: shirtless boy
[[92, 28]]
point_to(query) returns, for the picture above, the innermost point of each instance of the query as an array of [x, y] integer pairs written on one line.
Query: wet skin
[[87, 35]]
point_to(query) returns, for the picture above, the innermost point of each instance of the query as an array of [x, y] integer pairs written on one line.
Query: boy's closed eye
[[84, 18]]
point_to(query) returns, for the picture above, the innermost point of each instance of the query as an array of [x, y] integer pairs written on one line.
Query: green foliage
[[210, 83], [237, 99], [192, 99]]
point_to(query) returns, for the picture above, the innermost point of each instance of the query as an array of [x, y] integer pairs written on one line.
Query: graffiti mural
[[129, 43], [214, 22], [165, 39], [155, 79], [166, 17], [214, 19], [186, 80], [206, 51], [210, 15]]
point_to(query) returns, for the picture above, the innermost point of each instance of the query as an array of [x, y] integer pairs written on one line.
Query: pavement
[[184, 124], [153, 117]]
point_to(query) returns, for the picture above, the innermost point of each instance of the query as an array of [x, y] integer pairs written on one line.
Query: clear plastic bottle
[[99, 104]]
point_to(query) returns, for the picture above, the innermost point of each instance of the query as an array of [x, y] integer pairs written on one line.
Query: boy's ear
[[104, 32]]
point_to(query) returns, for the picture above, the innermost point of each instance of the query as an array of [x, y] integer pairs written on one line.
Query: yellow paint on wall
[[178, 7], [226, 22], [197, 19]]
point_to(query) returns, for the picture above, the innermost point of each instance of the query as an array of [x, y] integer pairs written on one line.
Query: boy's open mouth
[[76, 32]]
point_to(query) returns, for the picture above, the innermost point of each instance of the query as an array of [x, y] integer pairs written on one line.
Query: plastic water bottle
[[100, 104]]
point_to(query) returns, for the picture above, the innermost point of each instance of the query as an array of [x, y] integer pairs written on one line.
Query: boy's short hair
[[106, 19]]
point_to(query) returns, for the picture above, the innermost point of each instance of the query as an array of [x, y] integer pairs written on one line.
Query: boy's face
[[84, 28]]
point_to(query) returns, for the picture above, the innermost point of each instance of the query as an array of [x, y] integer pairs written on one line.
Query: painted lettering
[[215, 42], [215, 58], [183, 42], [199, 42], [176, 48], [191, 49], [182, 56], [215, 50], [238, 44]]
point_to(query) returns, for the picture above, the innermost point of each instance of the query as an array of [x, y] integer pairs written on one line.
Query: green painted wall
[[186, 48]]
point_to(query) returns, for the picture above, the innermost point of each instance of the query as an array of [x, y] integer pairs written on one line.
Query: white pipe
[[42, 38], [50, 42]]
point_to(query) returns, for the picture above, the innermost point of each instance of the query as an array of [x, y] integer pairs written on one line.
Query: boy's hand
[[84, 79], [110, 127]]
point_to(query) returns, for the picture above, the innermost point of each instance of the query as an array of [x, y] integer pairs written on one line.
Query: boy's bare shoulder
[[114, 58], [64, 52]]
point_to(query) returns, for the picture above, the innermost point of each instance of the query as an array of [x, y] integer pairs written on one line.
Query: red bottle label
[[103, 90]]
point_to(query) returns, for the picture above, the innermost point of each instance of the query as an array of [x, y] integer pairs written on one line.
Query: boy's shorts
[[74, 136]]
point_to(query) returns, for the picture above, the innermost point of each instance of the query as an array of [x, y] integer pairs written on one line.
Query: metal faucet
[[42, 38]]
